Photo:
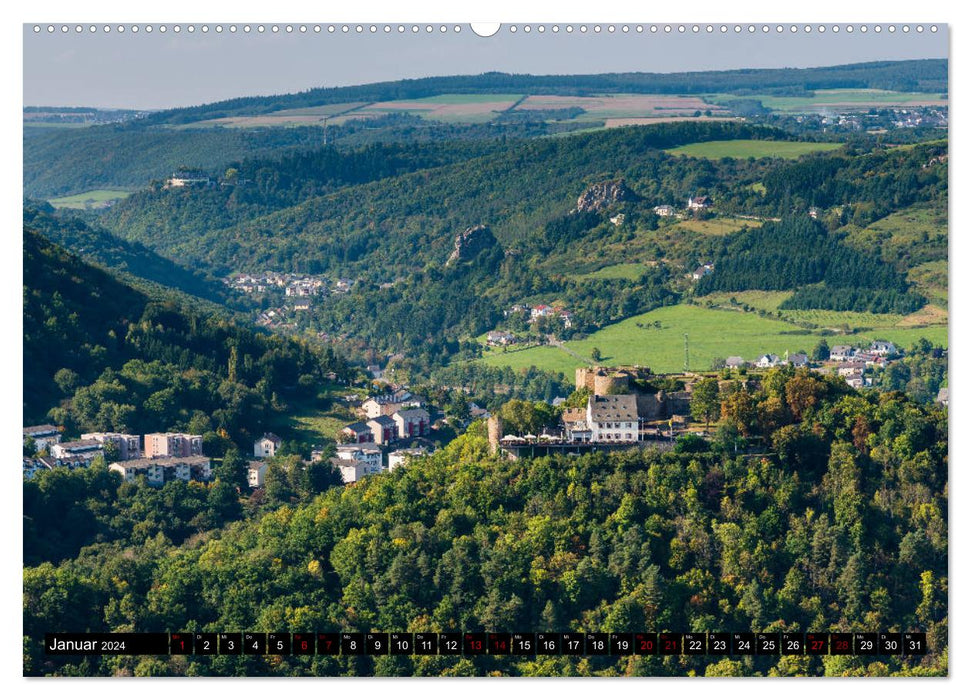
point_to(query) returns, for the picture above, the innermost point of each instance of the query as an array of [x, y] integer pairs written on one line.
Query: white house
[[399, 458], [368, 453], [267, 445], [701, 202], [883, 347], [352, 469], [613, 418], [766, 361], [735, 362], [664, 210], [256, 475], [841, 353]]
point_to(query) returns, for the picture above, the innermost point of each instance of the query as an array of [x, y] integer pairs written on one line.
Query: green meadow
[[88, 199], [748, 148], [656, 339]]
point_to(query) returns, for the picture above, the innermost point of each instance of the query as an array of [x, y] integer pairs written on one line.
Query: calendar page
[[519, 349]]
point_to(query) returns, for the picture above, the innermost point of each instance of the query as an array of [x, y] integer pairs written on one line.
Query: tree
[[821, 351], [595, 354], [705, 402], [233, 469], [738, 410]]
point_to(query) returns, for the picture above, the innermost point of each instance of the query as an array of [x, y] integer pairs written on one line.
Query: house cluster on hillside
[[291, 284], [848, 361], [156, 455], [356, 461], [389, 418], [535, 313]]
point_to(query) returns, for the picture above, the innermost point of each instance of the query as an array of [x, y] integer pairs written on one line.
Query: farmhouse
[[267, 445], [500, 338], [798, 359], [883, 347], [703, 271], [700, 202], [664, 210], [766, 361], [735, 362]]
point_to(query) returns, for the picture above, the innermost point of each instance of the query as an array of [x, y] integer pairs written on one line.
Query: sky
[[155, 71]]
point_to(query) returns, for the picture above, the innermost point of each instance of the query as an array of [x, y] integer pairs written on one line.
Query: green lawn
[[712, 333], [916, 234], [746, 148], [85, 200]]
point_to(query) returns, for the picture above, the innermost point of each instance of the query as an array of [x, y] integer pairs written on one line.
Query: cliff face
[[601, 195], [470, 243]]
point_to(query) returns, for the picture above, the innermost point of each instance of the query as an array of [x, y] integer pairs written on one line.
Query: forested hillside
[[839, 525], [99, 355], [96, 245]]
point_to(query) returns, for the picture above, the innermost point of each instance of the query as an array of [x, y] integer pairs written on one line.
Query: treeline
[[839, 525], [798, 251], [918, 75], [99, 355]]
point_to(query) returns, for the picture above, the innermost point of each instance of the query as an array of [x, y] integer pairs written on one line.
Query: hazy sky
[[153, 70]]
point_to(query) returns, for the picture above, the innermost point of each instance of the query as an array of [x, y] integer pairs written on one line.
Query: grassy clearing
[[622, 271], [745, 148], [915, 234], [930, 279], [756, 298], [314, 422], [712, 333], [88, 200], [716, 227]]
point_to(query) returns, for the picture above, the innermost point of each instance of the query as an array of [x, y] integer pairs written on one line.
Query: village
[[297, 292], [624, 406]]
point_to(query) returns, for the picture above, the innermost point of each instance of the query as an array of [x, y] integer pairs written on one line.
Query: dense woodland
[[838, 524], [108, 357]]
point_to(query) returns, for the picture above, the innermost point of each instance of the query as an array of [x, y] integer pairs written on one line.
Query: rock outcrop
[[601, 195], [470, 243]]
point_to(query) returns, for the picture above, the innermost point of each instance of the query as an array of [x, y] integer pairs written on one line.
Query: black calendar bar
[[96, 644], [489, 643]]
